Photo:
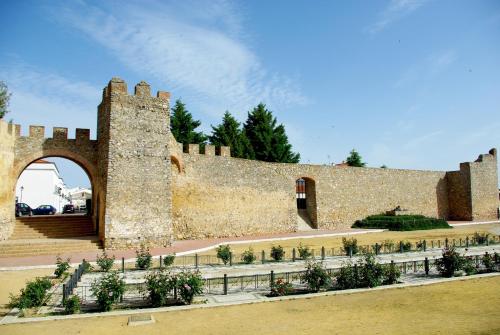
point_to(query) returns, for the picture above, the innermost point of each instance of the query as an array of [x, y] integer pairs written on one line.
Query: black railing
[[72, 282]]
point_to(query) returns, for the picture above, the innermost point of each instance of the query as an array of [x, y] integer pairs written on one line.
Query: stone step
[[22, 248]]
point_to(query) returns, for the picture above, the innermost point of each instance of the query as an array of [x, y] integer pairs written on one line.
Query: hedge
[[401, 222]]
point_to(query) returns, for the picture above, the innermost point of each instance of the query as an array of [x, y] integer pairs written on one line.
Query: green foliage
[[401, 222], [168, 260], [371, 273], [280, 288], [350, 243], [277, 253], [189, 284], [224, 253], [450, 262], [61, 267], [391, 274], [468, 266], [316, 277], [354, 159], [388, 245], [105, 262], [347, 277], [143, 258], [4, 99], [229, 133], [304, 251], [405, 246], [248, 256], [481, 238], [72, 305], [159, 284], [383, 166], [488, 262], [419, 245], [32, 295], [268, 140], [87, 267], [183, 126], [108, 290]]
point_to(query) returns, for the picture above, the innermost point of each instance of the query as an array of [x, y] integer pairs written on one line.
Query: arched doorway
[[56, 209], [305, 190]]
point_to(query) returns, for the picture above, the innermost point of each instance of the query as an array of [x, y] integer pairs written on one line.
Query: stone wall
[[7, 184], [484, 190], [137, 174]]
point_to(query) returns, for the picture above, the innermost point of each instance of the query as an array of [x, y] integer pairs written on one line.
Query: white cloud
[[198, 51], [43, 98], [396, 10]]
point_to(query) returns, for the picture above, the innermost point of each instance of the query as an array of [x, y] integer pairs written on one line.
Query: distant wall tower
[[134, 166]]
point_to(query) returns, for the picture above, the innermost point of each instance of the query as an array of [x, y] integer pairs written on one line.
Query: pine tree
[[354, 159], [229, 133], [269, 141], [183, 126], [4, 99]]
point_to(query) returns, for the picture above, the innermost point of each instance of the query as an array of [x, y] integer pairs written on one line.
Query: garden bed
[[401, 222]]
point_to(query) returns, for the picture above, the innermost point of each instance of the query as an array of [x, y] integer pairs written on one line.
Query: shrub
[[481, 238], [159, 284], [316, 277], [108, 290], [280, 288], [304, 251], [401, 222], [224, 253], [468, 266], [391, 274], [143, 258], [370, 272], [72, 305], [347, 277], [488, 262], [87, 267], [189, 284], [277, 253], [61, 267], [248, 256], [350, 243], [419, 245], [105, 262], [168, 260], [404, 246], [388, 245], [33, 295], [450, 263]]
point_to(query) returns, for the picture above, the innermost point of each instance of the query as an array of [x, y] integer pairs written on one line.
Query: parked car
[[45, 210], [83, 208], [68, 209], [23, 209]]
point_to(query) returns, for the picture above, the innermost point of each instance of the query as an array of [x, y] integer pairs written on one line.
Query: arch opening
[[305, 191]]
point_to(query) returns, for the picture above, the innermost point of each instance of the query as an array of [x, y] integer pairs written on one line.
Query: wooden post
[[263, 257], [123, 264], [322, 253], [293, 255], [225, 284], [160, 262], [426, 266], [196, 260]]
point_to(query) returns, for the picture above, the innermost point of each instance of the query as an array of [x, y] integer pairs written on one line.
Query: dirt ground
[[370, 238], [463, 307]]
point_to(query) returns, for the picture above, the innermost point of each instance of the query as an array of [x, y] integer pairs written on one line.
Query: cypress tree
[[183, 126], [269, 141], [354, 159], [229, 133]]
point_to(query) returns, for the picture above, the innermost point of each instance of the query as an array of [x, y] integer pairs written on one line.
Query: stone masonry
[[149, 189]]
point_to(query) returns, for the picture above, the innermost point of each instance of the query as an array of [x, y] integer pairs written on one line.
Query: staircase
[[303, 221], [51, 235]]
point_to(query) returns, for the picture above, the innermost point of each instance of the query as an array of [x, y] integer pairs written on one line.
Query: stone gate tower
[[134, 189]]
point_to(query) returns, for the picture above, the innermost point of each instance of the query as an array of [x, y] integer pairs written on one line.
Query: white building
[[41, 184], [79, 196]]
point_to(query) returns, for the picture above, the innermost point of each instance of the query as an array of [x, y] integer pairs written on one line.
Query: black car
[[45, 210], [68, 209], [22, 209]]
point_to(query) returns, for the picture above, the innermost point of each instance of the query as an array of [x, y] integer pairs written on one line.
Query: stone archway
[[305, 189]]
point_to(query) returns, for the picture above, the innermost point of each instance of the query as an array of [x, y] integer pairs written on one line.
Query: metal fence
[[72, 282]]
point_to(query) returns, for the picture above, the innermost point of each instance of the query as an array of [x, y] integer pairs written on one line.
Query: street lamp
[[22, 188]]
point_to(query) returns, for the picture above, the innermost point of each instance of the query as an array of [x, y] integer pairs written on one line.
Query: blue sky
[[408, 83]]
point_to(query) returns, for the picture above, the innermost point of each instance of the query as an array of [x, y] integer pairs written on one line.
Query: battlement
[[58, 133], [118, 86], [210, 150]]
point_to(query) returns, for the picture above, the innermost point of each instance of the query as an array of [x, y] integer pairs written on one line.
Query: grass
[[448, 308], [367, 239]]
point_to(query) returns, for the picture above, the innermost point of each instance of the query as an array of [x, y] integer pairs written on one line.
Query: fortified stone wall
[[484, 191], [7, 140], [137, 174]]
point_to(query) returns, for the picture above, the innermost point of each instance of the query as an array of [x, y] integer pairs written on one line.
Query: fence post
[[467, 242], [225, 284], [293, 255], [425, 245], [230, 259], [426, 266], [272, 278], [376, 249], [263, 257], [123, 264], [350, 251], [65, 293], [446, 242], [477, 261], [487, 240], [322, 253], [432, 244], [404, 267], [401, 246], [356, 275], [196, 260], [439, 244], [175, 292]]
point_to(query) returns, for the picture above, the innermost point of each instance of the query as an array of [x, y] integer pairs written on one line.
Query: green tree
[[4, 99], [183, 126], [268, 140], [354, 159], [229, 133]]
